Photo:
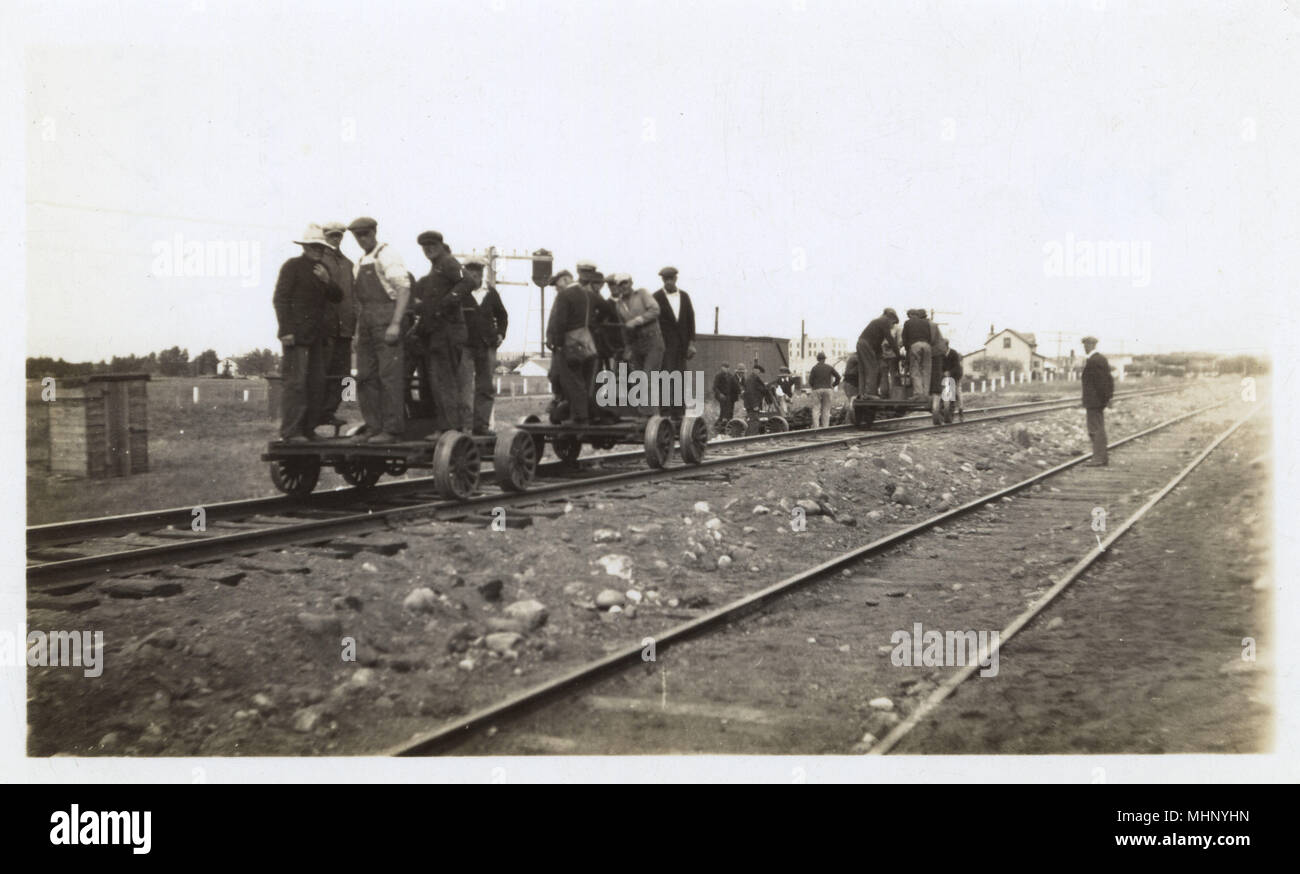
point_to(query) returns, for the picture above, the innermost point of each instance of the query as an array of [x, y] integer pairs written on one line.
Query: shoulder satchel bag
[[579, 344]]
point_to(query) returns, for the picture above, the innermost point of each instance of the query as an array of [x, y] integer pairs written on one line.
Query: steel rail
[[72, 531], [935, 698], [458, 731], [78, 572]]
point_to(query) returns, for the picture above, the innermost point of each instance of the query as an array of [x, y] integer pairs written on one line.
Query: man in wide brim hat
[[302, 292]]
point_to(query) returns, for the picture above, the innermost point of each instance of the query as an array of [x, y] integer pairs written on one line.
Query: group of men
[[587, 331], [920, 344], [443, 329], [750, 386]]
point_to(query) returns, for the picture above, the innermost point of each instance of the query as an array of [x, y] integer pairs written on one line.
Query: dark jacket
[[439, 297], [755, 391], [851, 376], [572, 309], [916, 331], [952, 365], [823, 375], [486, 322], [300, 301], [1098, 384], [678, 331], [725, 385], [606, 326], [879, 330], [341, 317]]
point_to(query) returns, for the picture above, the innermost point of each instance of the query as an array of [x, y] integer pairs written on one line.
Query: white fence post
[[196, 394], [245, 395]]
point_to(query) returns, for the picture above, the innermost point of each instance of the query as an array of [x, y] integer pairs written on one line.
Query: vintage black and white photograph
[[497, 381]]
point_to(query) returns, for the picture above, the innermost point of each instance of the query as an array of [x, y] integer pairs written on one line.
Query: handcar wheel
[[658, 441], [693, 438], [753, 427], [735, 428], [455, 465], [775, 425], [296, 476], [863, 417], [539, 442], [566, 448], [361, 472], [514, 460]]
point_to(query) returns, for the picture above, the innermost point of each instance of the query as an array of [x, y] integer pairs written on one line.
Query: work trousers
[[645, 346], [726, 409], [918, 366], [302, 389], [483, 364], [451, 384], [572, 382], [868, 369], [823, 399], [381, 373], [1097, 433], [338, 364]]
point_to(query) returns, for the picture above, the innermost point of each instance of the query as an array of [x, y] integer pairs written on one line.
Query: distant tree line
[[169, 362]]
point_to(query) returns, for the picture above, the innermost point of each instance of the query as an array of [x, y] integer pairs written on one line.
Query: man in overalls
[[382, 289]]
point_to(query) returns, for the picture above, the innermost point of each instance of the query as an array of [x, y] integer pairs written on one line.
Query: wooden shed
[[713, 349], [99, 425]]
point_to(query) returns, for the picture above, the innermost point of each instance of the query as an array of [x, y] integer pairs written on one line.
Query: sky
[[794, 159]]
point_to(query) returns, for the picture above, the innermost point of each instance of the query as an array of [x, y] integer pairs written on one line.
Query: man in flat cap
[[441, 295], [725, 391], [877, 332], [823, 378], [916, 340], [486, 320], [677, 325], [573, 356], [303, 291], [382, 287], [1098, 388], [340, 322], [643, 343], [605, 329]]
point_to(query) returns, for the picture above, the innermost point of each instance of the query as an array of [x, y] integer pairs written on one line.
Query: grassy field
[[210, 451]]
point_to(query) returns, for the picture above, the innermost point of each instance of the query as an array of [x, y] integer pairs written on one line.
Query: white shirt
[[674, 301], [388, 267]]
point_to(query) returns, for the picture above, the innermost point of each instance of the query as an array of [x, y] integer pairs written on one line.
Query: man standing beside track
[[823, 378], [1098, 387], [382, 287]]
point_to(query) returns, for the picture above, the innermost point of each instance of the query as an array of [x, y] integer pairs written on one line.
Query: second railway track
[[703, 695]]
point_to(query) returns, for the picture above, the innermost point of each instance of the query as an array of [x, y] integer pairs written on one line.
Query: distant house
[[534, 367], [1016, 350], [228, 367], [836, 349]]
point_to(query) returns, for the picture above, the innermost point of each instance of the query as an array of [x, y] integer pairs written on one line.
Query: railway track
[[63, 557], [715, 706]]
